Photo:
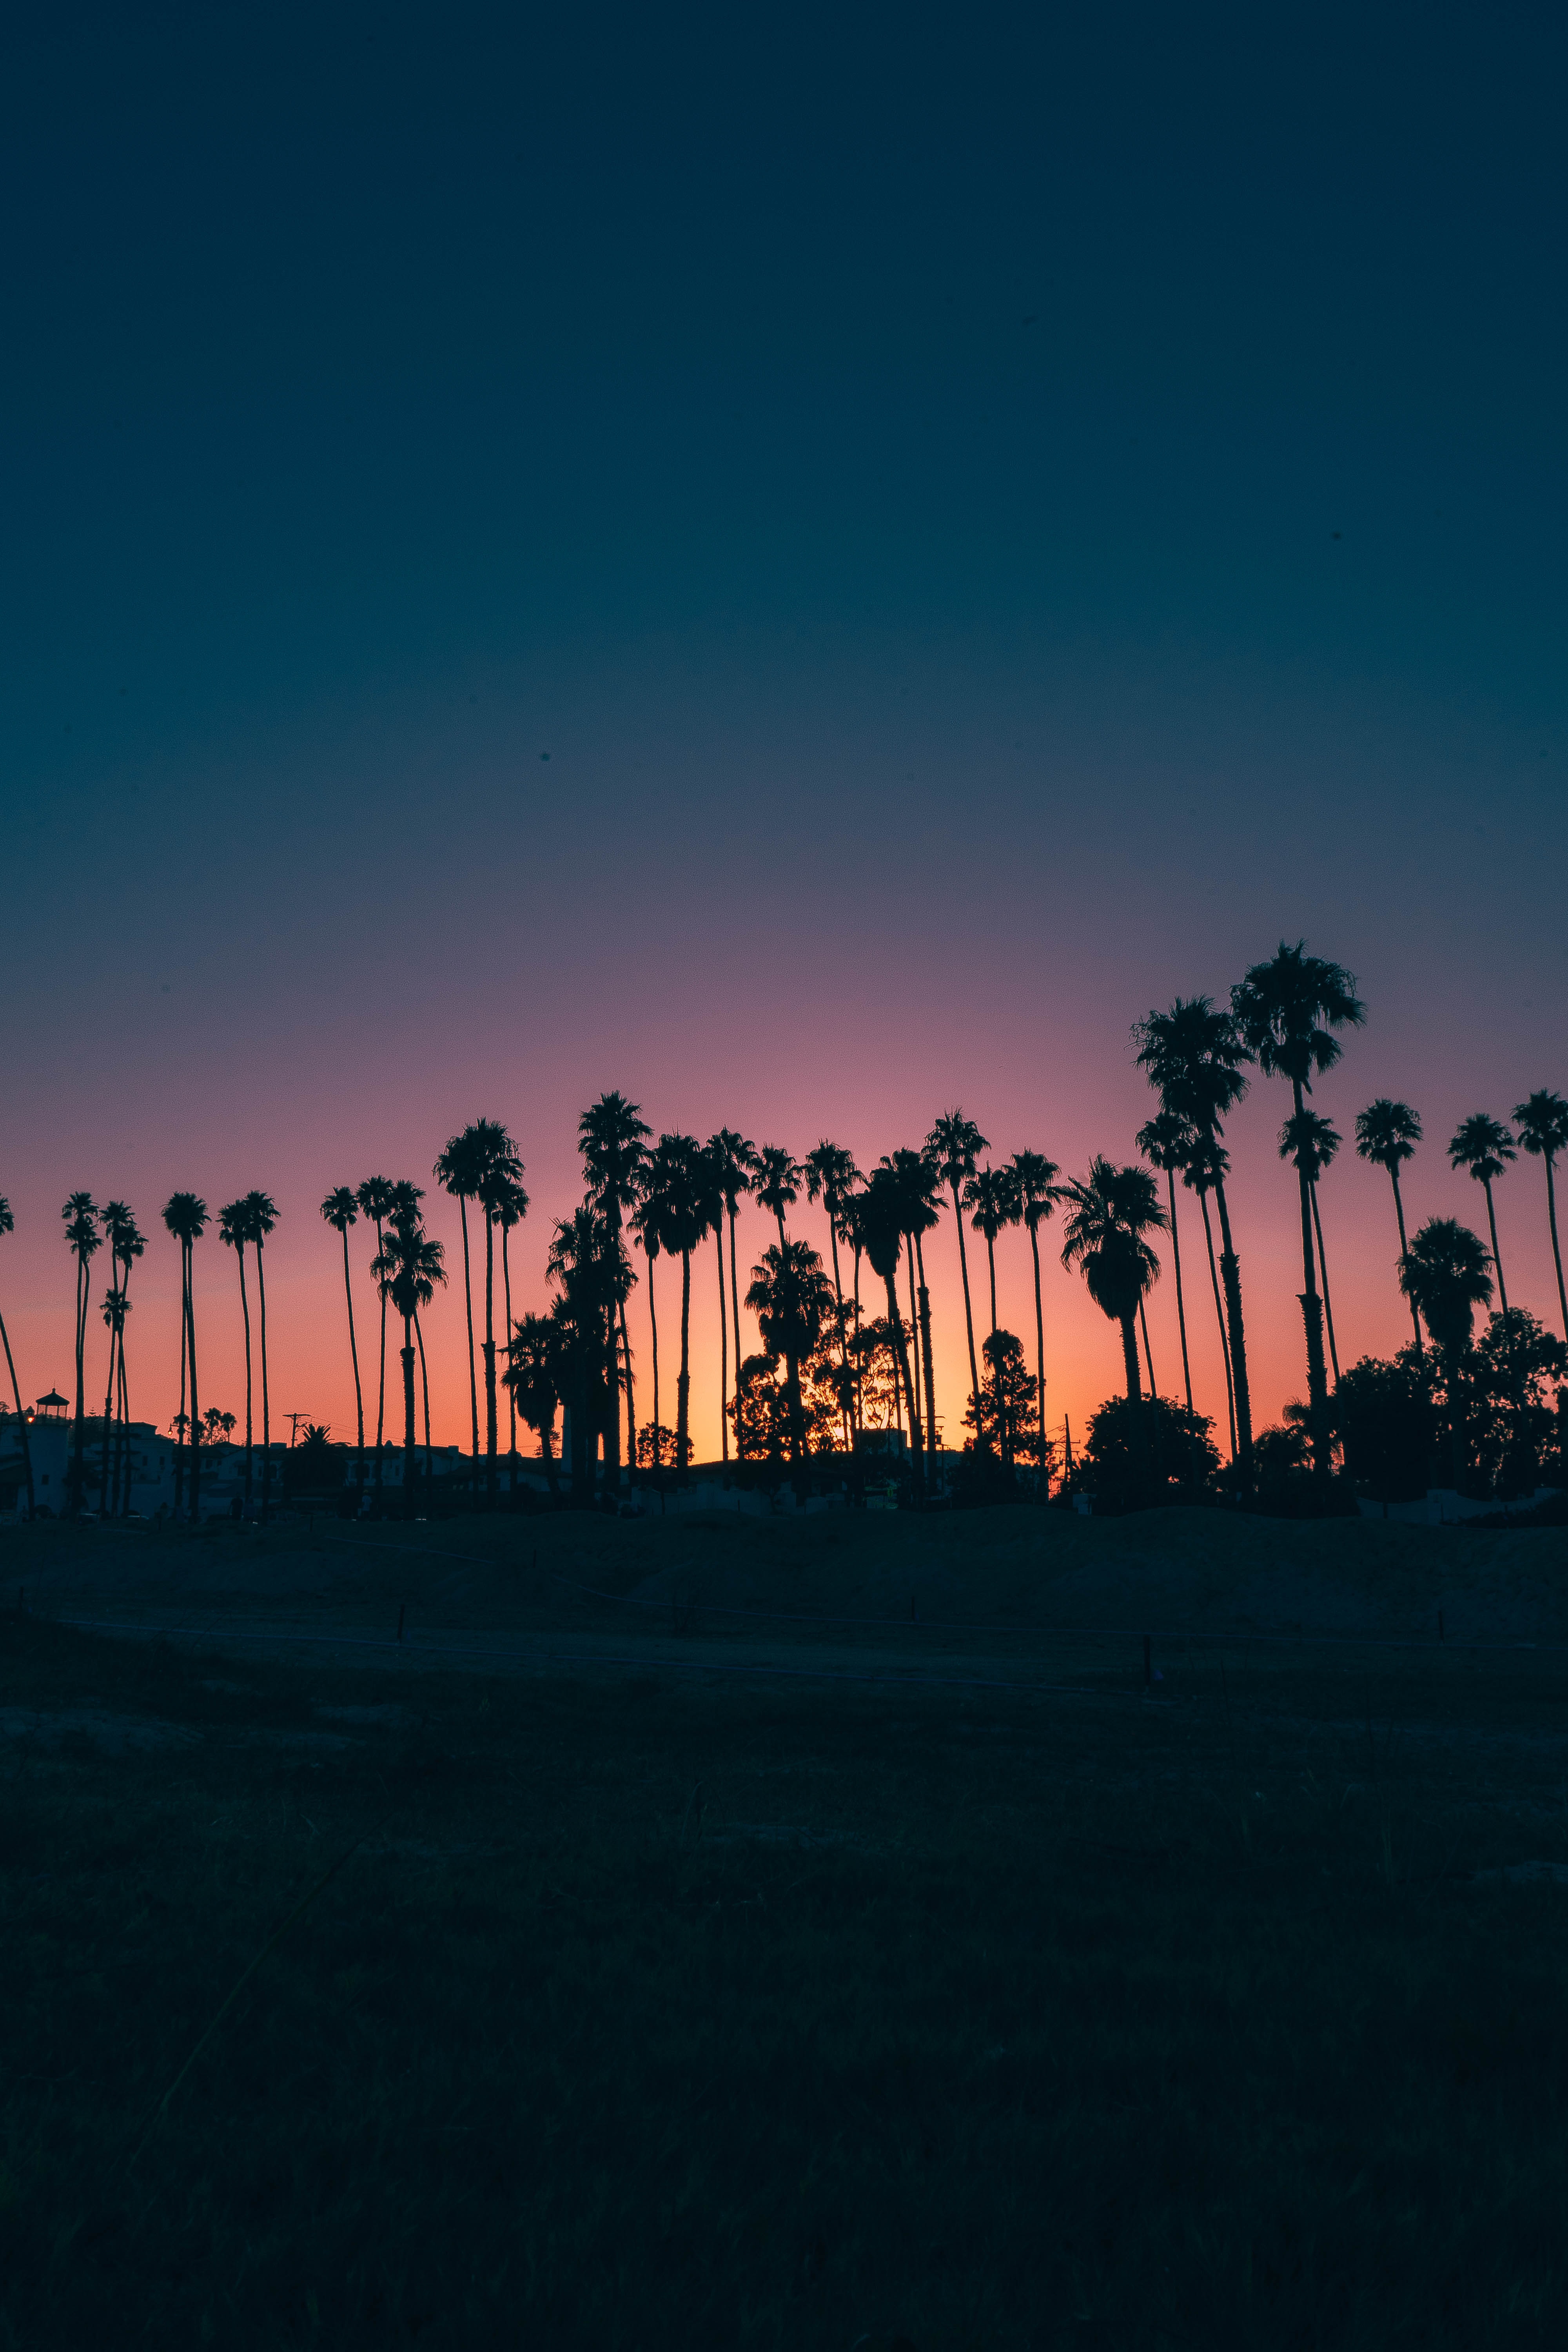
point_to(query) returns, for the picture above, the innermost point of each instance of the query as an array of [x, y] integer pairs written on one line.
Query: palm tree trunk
[[1556, 1252], [902, 1366], [122, 1452], [511, 1393], [1181, 1309], [1323, 1269], [79, 1430], [859, 1361], [683, 1381], [1045, 1486], [380, 1385], [244, 1310], [735, 1313], [653, 1325], [491, 1481], [359, 1393], [21, 1416], [195, 1408], [425, 1385], [181, 1424], [1312, 1319], [1399, 1213], [116, 1327], [406, 1353], [1497, 1254], [266, 1410], [963, 1270], [723, 1352], [1219, 1318], [1230, 1275], [631, 1395], [991, 1257], [914, 1327], [469, 1311], [926, 1351], [612, 1369], [1129, 1359], [1148, 1351]]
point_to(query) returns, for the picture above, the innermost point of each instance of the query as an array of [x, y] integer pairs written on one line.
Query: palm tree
[[1387, 1134], [1111, 1212], [736, 1162], [1168, 1142], [459, 1171], [1542, 1123], [992, 1196], [831, 1176], [497, 1168], [777, 1184], [919, 1192], [407, 1268], [125, 1245], [1287, 1011], [234, 1232], [644, 1222], [534, 1378], [587, 1259], [1485, 1148], [1444, 1277], [612, 1136], [955, 1144], [185, 1217], [261, 1215], [880, 1212], [341, 1210], [1194, 1056], [1038, 1192], [8, 1225], [1210, 1164], [374, 1197], [789, 1296], [1311, 1141], [82, 1239], [508, 1203], [684, 1199]]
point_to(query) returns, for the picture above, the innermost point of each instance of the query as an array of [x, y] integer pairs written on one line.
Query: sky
[[806, 565]]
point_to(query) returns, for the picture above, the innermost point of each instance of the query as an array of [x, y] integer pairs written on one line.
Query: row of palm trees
[[669, 1195]]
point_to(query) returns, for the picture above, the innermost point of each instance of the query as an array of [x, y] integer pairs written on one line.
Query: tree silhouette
[[1209, 1164], [1542, 1123], [790, 1296], [261, 1215], [1387, 1134], [1196, 1057], [507, 1204], [375, 1200], [341, 1211], [1287, 1011], [1109, 1214], [777, 1182], [589, 1261], [534, 1376], [125, 1246], [459, 1171], [955, 1144], [684, 1197], [8, 1225], [644, 1223], [1445, 1279], [831, 1176], [1311, 1142], [612, 1136], [1484, 1148], [83, 1240], [1038, 1192], [880, 1212], [918, 1183], [185, 1217], [992, 1194], [234, 1232], [1004, 1413], [1169, 1143], [735, 1164], [407, 1268]]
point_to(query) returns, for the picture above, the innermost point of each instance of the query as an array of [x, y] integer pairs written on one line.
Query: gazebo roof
[[54, 1397]]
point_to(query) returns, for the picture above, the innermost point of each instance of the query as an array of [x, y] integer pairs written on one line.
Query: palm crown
[[1542, 1123], [1311, 1142], [955, 1143], [341, 1208], [1195, 1058], [778, 1181], [612, 1136], [1287, 1010], [1035, 1187], [1444, 1274], [1386, 1133], [1483, 1145], [993, 1198]]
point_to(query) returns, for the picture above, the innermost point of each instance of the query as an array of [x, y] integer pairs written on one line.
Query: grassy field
[[1003, 2002]]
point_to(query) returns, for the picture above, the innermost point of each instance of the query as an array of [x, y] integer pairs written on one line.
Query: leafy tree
[[1195, 1056], [1387, 1134], [1542, 1123], [1004, 1412], [1386, 1422], [375, 1200], [8, 1225], [1110, 1212], [1484, 1148], [186, 1218], [612, 1136], [1287, 1011], [1445, 1276], [1139, 1448], [991, 1196], [1516, 1382], [341, 1211], [955, 1144]]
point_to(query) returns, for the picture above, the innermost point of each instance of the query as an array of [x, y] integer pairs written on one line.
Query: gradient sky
[[809, 567]]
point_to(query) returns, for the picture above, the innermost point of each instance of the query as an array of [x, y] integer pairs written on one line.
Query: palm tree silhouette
[[8, 1225], [260, 1215], [1168, 1142], [1110, 1211], [644, 1223], [955, 1144], [1038, 1192], [880, 1212], [587, 1260], [185, 1217], [407, 1268], [1444, 1277], [831, 1176], [612, 1136], [1484, 1147], [459, 1171], [341, 1210], [919, 1184], [534, 1378], [82, 1239], [375, 1200], [777, 1182], [993, 1195], [1209, 1165], [789, 1296], [735, 1162], [1542, 1123], [496, 1169], [1387, 1134], [1311, 1141], [1287, 1011], [234, 1232], [686, 1199], [1195, 1058], [125, 1245], [508, 1203]]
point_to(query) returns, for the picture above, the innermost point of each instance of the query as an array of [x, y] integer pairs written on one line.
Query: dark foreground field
[[713, 1981]]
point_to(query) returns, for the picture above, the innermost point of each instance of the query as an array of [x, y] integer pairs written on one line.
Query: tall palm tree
[[1168, 1142], [1211, 1163], [82, 1239], [1542, 1123], [880, 1212], [831, 1176], [533, 1377], [955, 1144], [1110, 1213], [736, 1162], [185, 1217], [992, 1195], [261, 1215], [341, 1210], [374, 1197], [1038, 1192], [645, 1223], [508, 1203], [1387, 1134], [1287, 1011], [459, 1171], [789, 1296], [681, 1186], [234, 1232], [8, 1225], [586, 1258], [125, 1245], [407, 1268], [497, 1168], [777, 1184], [1195, 1058], [1444, 1277], [1484, 1147], [918, 1186], [612, 1136], [1311, 1141]]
